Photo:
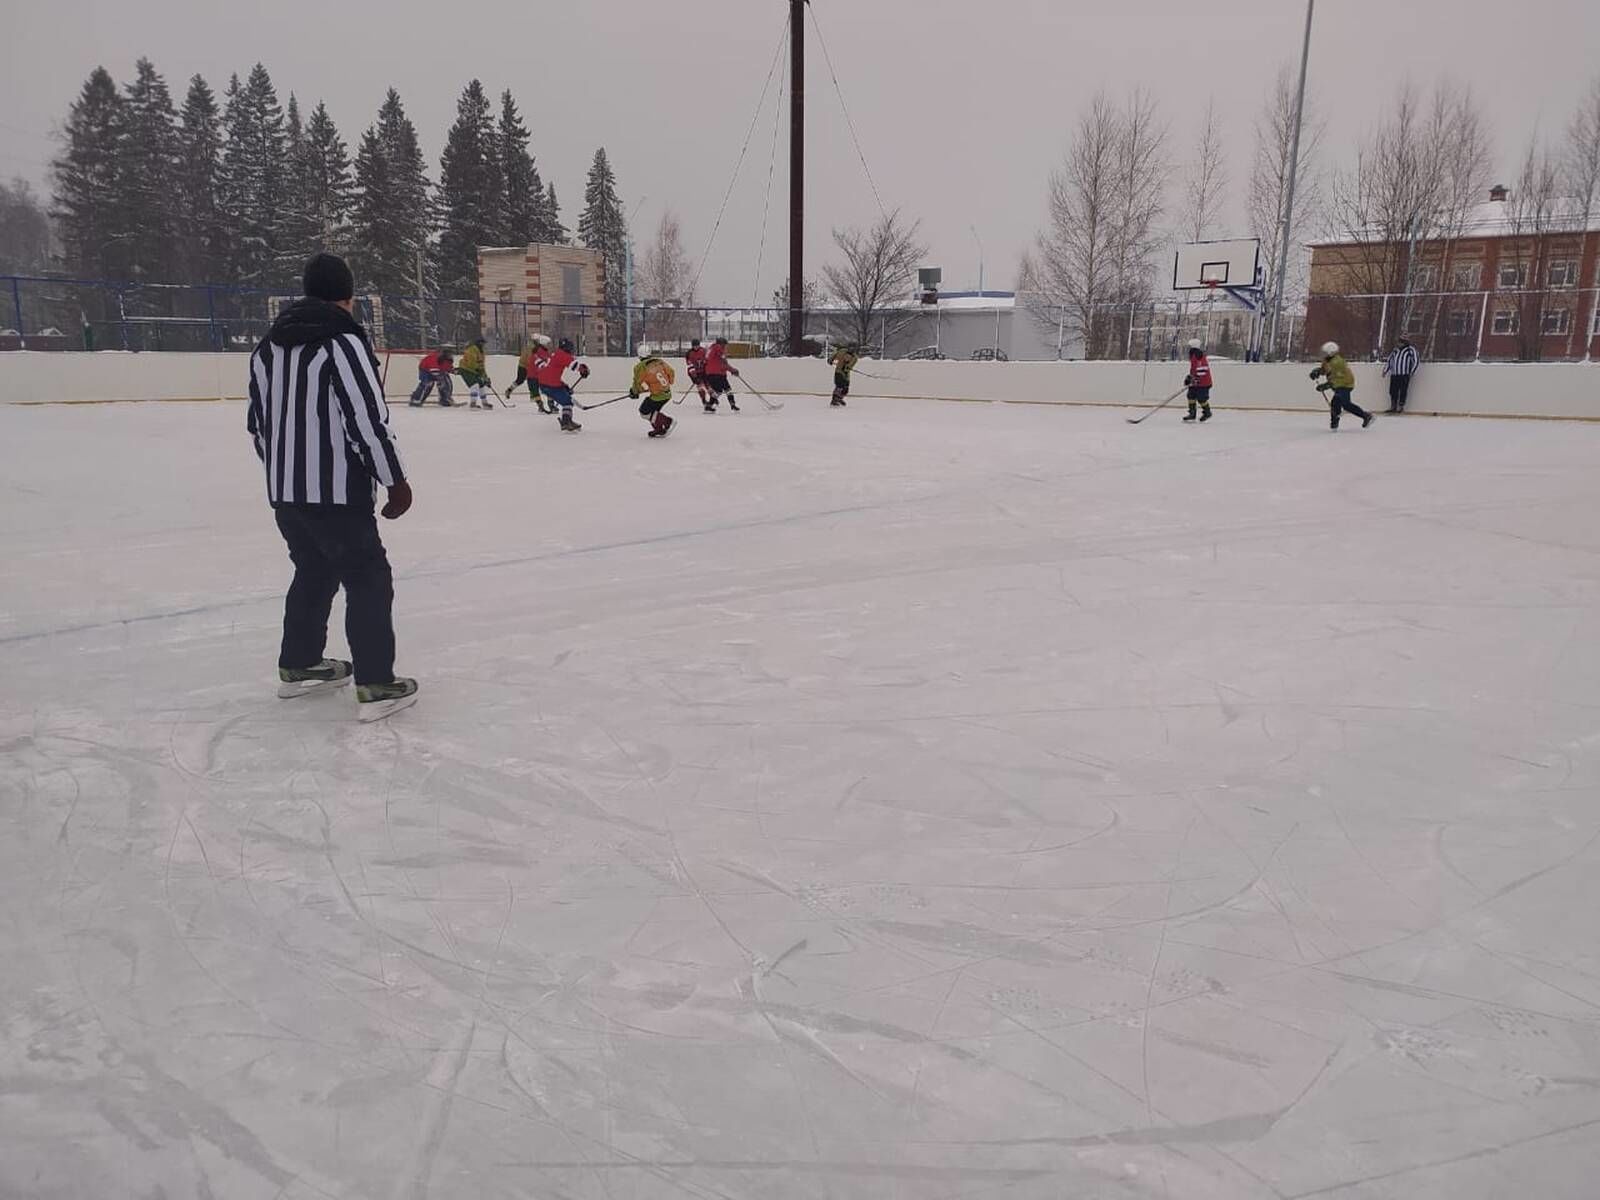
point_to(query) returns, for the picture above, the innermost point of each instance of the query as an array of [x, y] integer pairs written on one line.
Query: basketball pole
[[1294, 172], [797, 175]]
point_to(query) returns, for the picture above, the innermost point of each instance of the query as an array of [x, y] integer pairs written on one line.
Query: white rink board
[[920, 800], [1552, 390]]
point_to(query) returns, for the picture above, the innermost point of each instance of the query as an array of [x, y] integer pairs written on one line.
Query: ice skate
[[666, 426], [568, 425], [327, 675], [1205, 416], [1190, 418], [733, 405], [375, 701], [1367, 420]]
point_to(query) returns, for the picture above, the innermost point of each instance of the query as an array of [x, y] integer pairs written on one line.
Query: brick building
[[1511, 284], [556, 290]]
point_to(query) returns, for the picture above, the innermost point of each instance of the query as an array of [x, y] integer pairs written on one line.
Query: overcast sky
[[962, 107]]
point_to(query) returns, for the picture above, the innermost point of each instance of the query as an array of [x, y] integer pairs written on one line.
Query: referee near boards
[[1401, 366], [321, 429]]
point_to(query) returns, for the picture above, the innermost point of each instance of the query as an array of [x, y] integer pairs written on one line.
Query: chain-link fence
[[39, 313]]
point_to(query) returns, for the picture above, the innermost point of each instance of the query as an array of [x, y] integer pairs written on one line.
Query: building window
[[1416, 324], [1513, 275], [1555, 322], [1425, 278], [1466, 277], [1564, 273], [1460, 322], [572, 285], [1507, 321]]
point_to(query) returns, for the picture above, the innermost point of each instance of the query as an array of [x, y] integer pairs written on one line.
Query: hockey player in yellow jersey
[[653, 378]]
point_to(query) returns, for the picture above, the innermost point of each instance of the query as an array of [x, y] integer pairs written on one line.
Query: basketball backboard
[[1231, 264]]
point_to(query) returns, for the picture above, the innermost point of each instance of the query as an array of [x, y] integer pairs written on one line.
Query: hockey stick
[[602, 403], [772, 405], [1158, 408]]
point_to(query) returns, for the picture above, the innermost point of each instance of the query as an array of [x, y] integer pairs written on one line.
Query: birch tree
[[1095, 253], [1580, 170]]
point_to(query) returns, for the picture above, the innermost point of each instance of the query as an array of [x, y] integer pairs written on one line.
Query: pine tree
[[391, 211], [88, 183], [149, 160], [295, 222], [327, 182], [522, 213], [471, 186], [603, 227], [551, 231], [254, 175], [197, 181]]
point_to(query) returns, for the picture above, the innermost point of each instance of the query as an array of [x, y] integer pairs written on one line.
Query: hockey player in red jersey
[[553, 382], [696, 359], [716, 376], [1198, 381]]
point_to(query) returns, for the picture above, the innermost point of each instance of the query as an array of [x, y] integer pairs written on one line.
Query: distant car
[[990, 354], [925, 354]]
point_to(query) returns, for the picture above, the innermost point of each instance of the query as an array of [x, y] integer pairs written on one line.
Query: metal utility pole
[[797, 175], [1294, 173], [979, 240]]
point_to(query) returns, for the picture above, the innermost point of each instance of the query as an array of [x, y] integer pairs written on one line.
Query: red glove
[[583, 371]]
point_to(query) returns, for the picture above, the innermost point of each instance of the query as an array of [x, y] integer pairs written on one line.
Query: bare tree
[[1534, 215], [1581, 181], [666, 284], [1205, 182], [1141, 179], [1398, 213], [1269, 177], [1096, 252], [665, 275], [878, 268]]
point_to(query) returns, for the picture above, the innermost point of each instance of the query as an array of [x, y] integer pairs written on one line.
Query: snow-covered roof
[[1499, 218], [986, 301]]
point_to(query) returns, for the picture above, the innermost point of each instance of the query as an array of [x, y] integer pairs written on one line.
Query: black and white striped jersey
[[317, 412], [1404, 360]]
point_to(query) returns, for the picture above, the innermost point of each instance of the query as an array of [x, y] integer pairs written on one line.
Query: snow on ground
[[920, 801]]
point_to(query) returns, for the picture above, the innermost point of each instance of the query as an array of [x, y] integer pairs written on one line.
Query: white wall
[[1555, 390]]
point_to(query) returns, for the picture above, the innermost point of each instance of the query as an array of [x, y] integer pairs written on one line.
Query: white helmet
[[1329, 349], [542, 339], [644, 350], [1196, 344]]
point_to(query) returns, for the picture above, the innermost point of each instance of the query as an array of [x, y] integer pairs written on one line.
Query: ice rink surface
[[916, 802]]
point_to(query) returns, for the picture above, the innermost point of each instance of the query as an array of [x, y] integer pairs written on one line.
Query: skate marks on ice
[[974, 808]]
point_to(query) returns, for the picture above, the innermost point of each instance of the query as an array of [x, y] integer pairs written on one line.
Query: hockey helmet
[[565, 344], [1195, 344], [1329, 349], [644, 350]]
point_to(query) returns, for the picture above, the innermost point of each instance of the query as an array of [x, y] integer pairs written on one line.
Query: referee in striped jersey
[[321, 429], [1401, 366]]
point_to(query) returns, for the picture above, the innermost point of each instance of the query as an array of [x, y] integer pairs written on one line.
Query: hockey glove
[[399, 501], [583, 371], [633, 393], [1186, 381]]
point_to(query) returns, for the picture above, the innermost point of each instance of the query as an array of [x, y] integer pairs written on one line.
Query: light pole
[[1294, 172], [979, 240]]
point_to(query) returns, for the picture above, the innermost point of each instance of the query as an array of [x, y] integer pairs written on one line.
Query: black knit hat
[[328, 278]]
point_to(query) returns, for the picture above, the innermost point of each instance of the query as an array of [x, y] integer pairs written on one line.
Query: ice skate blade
[[377, 710], [310, 687]]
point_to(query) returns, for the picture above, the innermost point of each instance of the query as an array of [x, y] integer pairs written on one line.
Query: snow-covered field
[[921, 801]]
